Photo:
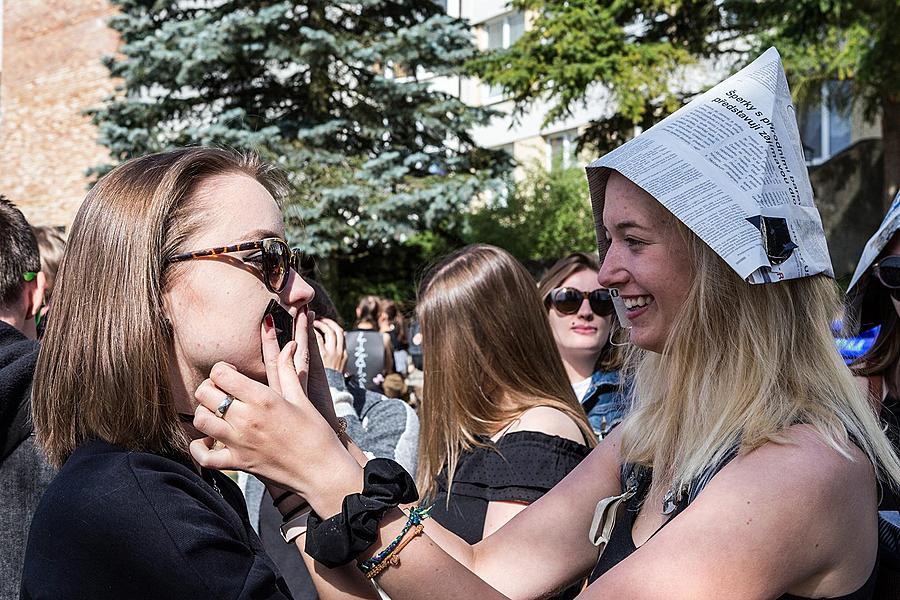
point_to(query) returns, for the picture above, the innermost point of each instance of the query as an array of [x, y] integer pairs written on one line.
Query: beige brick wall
[[51, 72]]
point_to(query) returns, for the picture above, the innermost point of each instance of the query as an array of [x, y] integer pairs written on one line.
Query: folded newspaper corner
[[862, 313], [730, 166], [877, 242]]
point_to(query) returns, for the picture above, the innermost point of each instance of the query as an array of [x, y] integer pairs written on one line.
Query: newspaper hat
[[730, 166], [862, 310]]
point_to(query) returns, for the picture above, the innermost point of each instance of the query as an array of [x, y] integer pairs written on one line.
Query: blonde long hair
[[103, 367], [742, 363], [484, 332]]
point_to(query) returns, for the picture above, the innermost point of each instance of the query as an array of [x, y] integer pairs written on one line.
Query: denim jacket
[[604, 402]]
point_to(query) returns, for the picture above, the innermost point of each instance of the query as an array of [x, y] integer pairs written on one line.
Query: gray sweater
[[384, 427]]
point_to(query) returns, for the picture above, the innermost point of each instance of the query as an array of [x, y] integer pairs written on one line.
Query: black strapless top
[[621, 542]]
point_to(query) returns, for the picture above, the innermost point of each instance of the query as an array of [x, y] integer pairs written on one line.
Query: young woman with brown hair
[[500, 425], [175, 261], [582, 319]]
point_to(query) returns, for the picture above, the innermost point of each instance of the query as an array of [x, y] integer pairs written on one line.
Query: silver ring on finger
[[224, 404]]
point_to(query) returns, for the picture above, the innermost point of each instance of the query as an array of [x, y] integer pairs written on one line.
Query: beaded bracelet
[[372, 566], [393, 559]]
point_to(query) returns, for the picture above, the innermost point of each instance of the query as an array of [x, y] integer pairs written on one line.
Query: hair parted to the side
[[776, 365], [484, 332], [19, 252], [103, 368], [613, 355]]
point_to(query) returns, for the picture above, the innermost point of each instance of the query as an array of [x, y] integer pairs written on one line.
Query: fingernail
[[269, 322]]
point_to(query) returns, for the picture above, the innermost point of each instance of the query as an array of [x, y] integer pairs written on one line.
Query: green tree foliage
[[825, 40], [374, 157], [638, 49], [635, 48], [546, 215]]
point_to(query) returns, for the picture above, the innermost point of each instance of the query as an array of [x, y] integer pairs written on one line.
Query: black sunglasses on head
[[567, 301], [887, 272], [275, 259]]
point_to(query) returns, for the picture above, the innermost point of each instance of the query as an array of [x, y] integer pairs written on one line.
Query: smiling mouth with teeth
[[636, 302]]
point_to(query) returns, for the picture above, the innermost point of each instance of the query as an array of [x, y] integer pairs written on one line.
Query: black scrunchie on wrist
[[340, 539]]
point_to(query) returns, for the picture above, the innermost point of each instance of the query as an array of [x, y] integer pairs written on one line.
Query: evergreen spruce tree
[[336, 93]]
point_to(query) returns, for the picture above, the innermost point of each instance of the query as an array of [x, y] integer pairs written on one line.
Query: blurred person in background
[[370, 357], [874, 304], [391, 322], [582, 319], [52, 244], [24, 474]]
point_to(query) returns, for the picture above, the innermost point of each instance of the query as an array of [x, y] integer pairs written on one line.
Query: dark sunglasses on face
[[274, 259], [567, 301], [887, 271]]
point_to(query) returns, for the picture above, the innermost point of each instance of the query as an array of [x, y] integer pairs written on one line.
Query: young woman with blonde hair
[[764, 452], [582, 319], [500, 425]]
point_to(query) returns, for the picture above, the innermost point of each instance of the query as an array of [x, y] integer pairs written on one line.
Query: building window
[[825, 129], [502, 33], [561, 149]]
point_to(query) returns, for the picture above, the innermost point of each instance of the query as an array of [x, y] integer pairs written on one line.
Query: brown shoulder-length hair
[[484, 332], [103, 368], [611, 356]]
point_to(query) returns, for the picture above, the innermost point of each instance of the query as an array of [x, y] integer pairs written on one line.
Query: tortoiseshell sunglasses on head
[[275, 259]]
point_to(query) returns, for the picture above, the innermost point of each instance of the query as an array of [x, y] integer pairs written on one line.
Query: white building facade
[[826, 130]]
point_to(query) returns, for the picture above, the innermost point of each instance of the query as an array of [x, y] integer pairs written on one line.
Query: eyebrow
[[258, 234], [624, 225]]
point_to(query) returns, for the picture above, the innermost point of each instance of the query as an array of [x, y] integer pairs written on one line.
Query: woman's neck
[[578, 366]]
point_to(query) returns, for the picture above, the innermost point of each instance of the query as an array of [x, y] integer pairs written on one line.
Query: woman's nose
[[297, 292], [585, 311], [611, 273]]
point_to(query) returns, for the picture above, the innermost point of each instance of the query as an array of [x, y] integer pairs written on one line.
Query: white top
[[581, 388]]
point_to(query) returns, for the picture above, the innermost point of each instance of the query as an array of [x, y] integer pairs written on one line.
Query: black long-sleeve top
[[116, 524]]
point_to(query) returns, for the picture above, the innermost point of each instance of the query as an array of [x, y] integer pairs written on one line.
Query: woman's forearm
[[341, 583]]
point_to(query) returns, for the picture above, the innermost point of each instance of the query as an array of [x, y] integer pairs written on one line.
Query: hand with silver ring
[[223, 406]]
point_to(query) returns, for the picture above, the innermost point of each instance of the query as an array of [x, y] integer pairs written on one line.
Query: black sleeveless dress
[[621, 542], [521, 466]]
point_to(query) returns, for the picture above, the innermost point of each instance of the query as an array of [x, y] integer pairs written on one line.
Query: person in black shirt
[[23, 471], [173, 264]]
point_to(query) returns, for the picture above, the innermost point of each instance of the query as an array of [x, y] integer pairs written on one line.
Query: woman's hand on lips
[[275, 431]]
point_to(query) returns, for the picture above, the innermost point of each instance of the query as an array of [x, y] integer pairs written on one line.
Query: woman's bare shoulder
[[548, 420]]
